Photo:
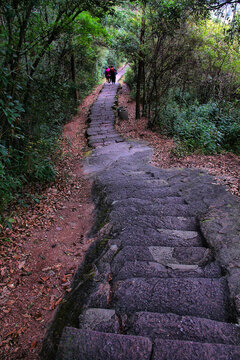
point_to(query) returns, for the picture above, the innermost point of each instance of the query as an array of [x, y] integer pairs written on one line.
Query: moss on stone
[[87, 153]]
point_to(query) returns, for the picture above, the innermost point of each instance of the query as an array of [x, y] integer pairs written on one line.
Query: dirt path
[[158, 282]]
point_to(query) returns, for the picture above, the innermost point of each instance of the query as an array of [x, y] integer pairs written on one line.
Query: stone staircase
[[159, 293]]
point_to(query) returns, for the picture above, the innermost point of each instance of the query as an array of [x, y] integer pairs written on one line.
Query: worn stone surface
[[221, 228], [164, 255], [196, 297], [165, 263], [149, 270], [139, 236], [104, 320], [91, 345], [171, 326], [188, 350]]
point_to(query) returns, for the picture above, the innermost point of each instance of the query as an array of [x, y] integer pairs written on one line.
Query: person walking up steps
[[113, 73], [107, 74]]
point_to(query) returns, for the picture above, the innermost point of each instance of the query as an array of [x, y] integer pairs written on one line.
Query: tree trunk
[[144, 110], [140, 64], [138, 92]]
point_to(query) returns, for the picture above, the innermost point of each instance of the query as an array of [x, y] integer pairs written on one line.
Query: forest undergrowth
[[45, 245]]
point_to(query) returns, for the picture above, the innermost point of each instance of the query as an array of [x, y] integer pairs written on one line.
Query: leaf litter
[[44, 246]]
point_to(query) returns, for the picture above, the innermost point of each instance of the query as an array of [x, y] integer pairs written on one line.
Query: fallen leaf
[[20, 266], [47, 269], [33, 344], [58, 301]]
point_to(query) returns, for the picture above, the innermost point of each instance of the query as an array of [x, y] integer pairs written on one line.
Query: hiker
[[113, 73], [107, 74]]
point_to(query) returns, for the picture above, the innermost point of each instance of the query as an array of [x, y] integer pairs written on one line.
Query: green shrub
[[130, 79], [208, 128], [8, 185], [228, 122], [194, 126]]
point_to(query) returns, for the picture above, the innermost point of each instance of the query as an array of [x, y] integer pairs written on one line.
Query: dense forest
[[184, 74]]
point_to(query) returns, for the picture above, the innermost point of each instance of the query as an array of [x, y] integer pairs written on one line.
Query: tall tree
[[141, 62]]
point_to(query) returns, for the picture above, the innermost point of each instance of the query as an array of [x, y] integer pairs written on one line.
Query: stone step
[[154, 209], [101, 130], [104, 132], [188, 350], [145, 193], [171, 200], [196, 297], [164, 255], [159, 261], [98, 319], [150, 270], [108, 142], [154, 222], [172, 206], [106, 138], [102, 122], [139, 236], [95, 143], [175, 327], [163, 326], [78, 344], [104, 126], [104, 112]]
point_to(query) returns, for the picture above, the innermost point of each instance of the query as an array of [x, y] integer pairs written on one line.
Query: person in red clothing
[[113, 73], [107, 74]]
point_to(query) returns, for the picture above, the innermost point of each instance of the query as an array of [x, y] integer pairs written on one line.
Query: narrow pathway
[[158, 292]]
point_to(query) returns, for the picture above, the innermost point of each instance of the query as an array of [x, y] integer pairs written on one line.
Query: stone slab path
[[157, 291]]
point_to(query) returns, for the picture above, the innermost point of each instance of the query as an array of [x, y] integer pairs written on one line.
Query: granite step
[[188, 350], [164, 255], [138, 236], [150, 270], [93, 132], [188, 296], [164, 262], [117, 193], [155, 222], [175, 327], [154, 209], [167, 326], [104, 135], [78, 344]]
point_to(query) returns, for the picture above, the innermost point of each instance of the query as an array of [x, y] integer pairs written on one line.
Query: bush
[[8, 183], [208, 128], [228, 122], [194, 126], [34, 162], [130, 79]]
